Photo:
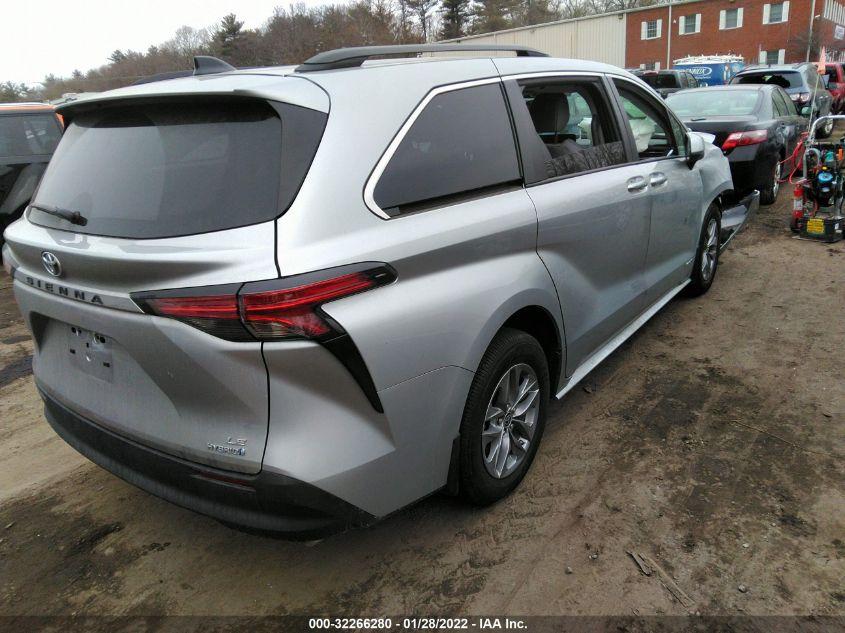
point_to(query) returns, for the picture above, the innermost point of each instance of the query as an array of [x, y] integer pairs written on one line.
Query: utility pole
[[669, 36], [810, 29]]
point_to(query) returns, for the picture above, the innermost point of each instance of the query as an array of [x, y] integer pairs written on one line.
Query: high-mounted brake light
[[749, 137], [267, 310]]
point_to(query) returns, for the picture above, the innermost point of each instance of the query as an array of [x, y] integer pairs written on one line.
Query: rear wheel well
[[537, 322]]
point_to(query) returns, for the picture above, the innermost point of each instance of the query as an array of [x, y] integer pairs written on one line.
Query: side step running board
[[607, 349]]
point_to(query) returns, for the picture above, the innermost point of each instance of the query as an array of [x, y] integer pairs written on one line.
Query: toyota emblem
[[51, 264]]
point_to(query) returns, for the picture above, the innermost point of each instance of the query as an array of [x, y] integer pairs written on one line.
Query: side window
[[649, 123], [679, 132], [812, 78], [574, 126], [783, 106], [461, 144], [786, 103]]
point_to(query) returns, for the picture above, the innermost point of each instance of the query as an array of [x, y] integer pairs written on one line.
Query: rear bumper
[[750, 168], [266, 502]]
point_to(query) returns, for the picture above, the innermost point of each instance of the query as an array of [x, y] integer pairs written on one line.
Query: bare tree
[[422, 11]]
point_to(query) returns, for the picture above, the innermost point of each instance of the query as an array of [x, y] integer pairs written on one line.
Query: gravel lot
[[711, 445]]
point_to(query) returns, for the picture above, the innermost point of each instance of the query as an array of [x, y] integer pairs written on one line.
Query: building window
[[730, 19], [688, 24], [773, 57], [775, 13], [650, 66], [651, 30]]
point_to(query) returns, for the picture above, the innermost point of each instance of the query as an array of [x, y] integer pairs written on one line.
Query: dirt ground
[[711, 444]]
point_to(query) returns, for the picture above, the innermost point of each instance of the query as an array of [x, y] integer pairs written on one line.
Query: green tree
[[422, 9], [455, 17], [495, 15], [228, 34], [11, 92]]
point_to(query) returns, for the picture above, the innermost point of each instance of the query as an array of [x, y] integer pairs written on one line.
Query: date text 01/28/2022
[[417, 624]]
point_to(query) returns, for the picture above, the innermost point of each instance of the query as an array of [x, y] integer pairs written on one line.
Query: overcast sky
[[51, 36]]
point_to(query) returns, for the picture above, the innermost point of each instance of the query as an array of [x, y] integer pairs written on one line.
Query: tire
[[826, 130], [708, 246], [771, 186], [512, 354]]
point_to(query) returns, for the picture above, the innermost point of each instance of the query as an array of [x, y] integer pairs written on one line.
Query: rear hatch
[[663, 82], [174, 191], [790, 80]]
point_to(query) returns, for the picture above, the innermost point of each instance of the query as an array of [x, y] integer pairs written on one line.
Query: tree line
[[297, 32]]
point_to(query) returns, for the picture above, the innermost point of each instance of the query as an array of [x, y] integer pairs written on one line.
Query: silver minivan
[[300, 298]]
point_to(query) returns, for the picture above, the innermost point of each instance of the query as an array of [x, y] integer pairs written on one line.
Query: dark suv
[[801, 82], [667, 81], [29, 132]]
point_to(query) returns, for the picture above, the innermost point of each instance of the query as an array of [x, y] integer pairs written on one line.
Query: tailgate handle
[[637, 183]]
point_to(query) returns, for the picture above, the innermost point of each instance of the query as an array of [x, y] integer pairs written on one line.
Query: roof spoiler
[[355, 57]]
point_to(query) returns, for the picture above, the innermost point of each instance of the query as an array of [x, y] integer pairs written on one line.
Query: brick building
[[760, 31], [768, 31]]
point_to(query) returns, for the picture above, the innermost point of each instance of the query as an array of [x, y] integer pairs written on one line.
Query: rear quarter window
[[461, 144], [171, 168], [28, 134]]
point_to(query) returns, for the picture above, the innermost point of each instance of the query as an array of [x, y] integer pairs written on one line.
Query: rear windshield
[[28, 134], [785, 79], [661, 80], [164, 169], [713, 102]]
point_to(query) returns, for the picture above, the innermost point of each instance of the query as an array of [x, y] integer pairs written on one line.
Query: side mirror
[[696, 149], [807, 110]]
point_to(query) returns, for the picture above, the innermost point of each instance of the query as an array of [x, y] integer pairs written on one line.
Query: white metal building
[[596, 37]]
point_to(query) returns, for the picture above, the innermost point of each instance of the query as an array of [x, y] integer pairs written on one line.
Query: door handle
[[657, 178], [637, 183]]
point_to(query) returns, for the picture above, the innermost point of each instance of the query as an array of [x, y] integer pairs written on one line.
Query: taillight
[[800, 97], [293, 312], [267, 310], [213, 310], [750, 137]]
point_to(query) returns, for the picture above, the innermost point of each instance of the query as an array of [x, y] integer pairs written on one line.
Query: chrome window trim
[[540, 74], [381, 165], [661, 103]]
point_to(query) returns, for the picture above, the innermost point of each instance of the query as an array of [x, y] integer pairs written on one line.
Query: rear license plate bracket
[[90, 352]]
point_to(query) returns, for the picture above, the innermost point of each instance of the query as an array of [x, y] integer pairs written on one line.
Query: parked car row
[[760, 116]]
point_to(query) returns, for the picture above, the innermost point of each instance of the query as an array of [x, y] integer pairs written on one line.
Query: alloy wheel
[[510, 421], [711, 250], [776, 186]]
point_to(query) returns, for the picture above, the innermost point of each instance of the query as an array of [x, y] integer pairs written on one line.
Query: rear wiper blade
[[74, 217]]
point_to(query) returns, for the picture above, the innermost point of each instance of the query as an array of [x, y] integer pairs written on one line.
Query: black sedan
[[757, 127]]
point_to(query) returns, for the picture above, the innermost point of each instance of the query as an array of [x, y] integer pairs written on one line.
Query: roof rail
[[207, 65], [354, 57]]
